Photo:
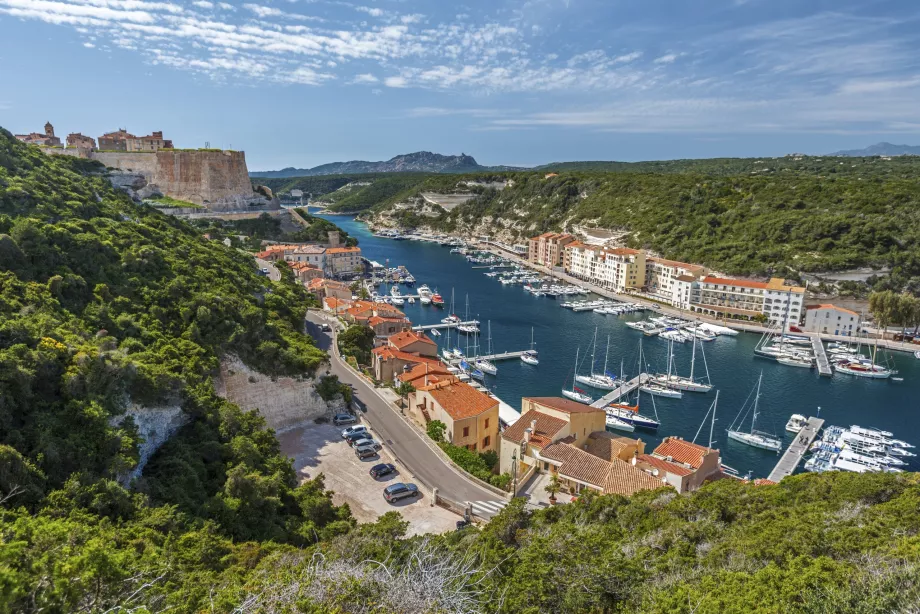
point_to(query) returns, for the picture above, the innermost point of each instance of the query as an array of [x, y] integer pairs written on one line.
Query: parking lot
[[319, 448]]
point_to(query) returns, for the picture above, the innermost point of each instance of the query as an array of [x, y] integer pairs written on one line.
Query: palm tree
[[553, 488]]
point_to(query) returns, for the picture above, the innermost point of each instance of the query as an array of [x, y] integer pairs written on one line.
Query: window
[[487, 423], [486, 441], [466, 431]]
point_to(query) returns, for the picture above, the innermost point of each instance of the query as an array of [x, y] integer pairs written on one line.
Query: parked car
[[395, 492], [352, 430], [365, 441], [365, 451], [340, 419], [378, 471], [325, 327]]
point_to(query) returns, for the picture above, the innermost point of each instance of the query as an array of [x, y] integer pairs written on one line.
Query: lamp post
[[514, 472]]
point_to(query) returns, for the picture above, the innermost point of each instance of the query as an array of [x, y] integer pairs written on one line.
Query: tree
[[436, 430], [404, 389], [553, 487]]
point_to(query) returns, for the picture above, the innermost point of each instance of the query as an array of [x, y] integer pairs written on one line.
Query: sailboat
[[623, 412], [576, 393], [471, 370], [485, 364], [686, 383], [753, 437], [654, 388], [864, 368], [601, 381], [447, 352], [530, 356]]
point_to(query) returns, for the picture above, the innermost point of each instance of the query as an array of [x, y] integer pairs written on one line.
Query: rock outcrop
[[155, 425]]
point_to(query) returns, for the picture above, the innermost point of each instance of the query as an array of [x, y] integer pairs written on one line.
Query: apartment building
[[671, 281], [546, 249], [742, 299], [619, 269], [471, 417], [343, 261], [831, 319]]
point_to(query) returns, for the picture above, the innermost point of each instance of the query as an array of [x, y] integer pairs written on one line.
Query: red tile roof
[[675, 263], [408, 337], [682, 451], [608, 446], [427, 372], [663, 465], [460, 400], [830, 306], [616, 477], [626, 480], [342, 250], [547, 426], [388, 353], [562, 404]]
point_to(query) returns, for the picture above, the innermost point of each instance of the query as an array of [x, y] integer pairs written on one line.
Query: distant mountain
[[418, 162], [881, 149]]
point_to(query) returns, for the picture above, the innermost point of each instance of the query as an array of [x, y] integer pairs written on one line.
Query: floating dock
[[796, 450], [443, 325], [824, 365], [624, 389]]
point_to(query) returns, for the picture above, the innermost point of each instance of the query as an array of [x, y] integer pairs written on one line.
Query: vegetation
[[357, 341], [329, 387], [270, 228], [889, 308], [167, 202], [481, 465]]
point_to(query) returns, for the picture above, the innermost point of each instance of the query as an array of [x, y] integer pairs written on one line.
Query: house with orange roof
[[305, 272], [424, 374], [543, 421], [471, 417], [323, 288], [684, 465], [336, 306], [831, 319], [343, 261], [414, 342], [402, 351], [546, 249]]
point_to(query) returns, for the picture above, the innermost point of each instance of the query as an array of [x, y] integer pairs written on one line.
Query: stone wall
[[284, 402]]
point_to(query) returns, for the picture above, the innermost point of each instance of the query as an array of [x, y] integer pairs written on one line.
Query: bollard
[[434, 496]]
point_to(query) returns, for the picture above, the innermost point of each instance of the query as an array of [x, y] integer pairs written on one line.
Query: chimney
[[533, 426], [527, 433]]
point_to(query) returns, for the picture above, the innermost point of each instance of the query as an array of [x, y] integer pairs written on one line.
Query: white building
[[830, 319], [671, 281], [742, 299], [619, 269]]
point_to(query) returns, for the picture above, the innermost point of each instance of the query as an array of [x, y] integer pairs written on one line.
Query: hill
[[882, 149], [421, 161]]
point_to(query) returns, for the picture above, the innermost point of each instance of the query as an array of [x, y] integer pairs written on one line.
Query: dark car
[[378, 471], [395, 492]]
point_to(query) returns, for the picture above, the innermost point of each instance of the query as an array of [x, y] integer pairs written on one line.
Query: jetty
[[445, 325], [624, 389], [796, 450], [824, 365]]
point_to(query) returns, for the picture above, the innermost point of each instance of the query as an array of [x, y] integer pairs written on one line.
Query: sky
[[306, 82]]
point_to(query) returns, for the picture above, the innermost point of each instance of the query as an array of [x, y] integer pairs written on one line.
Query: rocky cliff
[[418, 162]]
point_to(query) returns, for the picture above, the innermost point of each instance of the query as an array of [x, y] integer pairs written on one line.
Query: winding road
[[402, 441]]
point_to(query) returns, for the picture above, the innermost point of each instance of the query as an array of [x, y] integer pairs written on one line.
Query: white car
[[354, 430]]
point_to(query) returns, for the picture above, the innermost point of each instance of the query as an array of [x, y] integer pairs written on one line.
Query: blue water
[[843, 400]]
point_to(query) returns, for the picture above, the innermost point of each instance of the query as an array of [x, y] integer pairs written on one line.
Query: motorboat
[[796, 423], [397, 300], [437, 300]]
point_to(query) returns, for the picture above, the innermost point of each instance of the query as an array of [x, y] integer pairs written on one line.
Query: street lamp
[[514, 472]]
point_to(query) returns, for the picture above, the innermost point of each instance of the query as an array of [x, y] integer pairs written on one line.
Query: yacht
[[604, 380], [862, 369], [397, 300], [530, 358], [576, 393], [485, 365], [394, 291], [753, 437], [796, 423], [689, 384], [630, 414], [614, 422], [795, 361], [661, 391], [673, 335]]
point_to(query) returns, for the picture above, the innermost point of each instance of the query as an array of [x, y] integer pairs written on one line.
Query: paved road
[[273, 273], [402, 441]]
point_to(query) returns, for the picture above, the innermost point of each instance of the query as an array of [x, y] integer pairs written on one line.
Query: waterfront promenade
[[796, 450]]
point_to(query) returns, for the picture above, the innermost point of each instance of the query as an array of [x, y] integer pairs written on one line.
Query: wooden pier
[[491, 357], [443, 325], [624, 389], [796, 450], [824, 365]]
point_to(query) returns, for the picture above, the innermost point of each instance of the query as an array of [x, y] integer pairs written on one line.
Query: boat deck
[[443, 325], [824, 365], [624, 389], [796, 450], [499, 356]]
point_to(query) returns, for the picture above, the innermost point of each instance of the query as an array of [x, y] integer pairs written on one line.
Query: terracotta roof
[[460, 400], [742, 283], [408, 337], [334, 303], [607, 445], [547, 426], [388, 353], [342, 250], [425, 370], [682, 451], [763, 482], [375, 320], [622, 251], [562, 404], [663, 465], [830, 306], [624, 479], [316, 283], [578, 464]]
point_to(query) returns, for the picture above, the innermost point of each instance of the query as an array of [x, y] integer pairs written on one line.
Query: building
[[684, 465], [151, 142], [75, 139], [742, 299], [830, 319], [546, 249], [305, 252], [578, 469], [618, 269], [402, 351], [671, 281], [336, 306], [305, 272], [325, 288], [471, 417], [343, 261], [424, 374], [45, 139], [115, 141]]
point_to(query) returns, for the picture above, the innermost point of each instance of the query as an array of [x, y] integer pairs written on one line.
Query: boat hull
[[668, 393], [620, 425], [577, 396], [764, 443], [596, 382]]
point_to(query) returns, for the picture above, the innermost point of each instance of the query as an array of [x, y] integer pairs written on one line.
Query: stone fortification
[[218, 180]]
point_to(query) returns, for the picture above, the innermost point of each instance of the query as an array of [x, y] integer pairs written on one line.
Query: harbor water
[[558, 332]]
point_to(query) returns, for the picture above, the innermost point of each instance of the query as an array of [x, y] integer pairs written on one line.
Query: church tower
[[49, 129]]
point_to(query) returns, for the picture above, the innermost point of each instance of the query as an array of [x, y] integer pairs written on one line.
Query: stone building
[[115, 141], [81, 141], [46, 139], [151, 142]]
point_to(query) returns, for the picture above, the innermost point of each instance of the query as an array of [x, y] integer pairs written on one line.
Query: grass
[[166, 202]]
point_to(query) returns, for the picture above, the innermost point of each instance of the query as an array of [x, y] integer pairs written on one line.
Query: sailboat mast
[[756, 401], [712, 425], [593, 351], [606, 354], [693, 357], [575, 372]]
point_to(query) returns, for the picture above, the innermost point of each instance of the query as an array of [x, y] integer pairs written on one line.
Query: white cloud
[[373, 12], [667, 59], [88, 45], [365, 78], [396, 82], [204, 4]]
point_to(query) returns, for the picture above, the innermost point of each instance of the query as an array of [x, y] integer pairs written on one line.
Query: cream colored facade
[[671, 281], [741, 299], [468, 425], [618, 269], [546, 249]]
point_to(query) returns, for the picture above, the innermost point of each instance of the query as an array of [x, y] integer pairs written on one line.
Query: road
[[402, 441], [273, 273]]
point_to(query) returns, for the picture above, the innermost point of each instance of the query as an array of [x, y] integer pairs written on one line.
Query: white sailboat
[[601, 381], [485, 365], [576, 393], [753, 437], [686, 383], [657, 389], [530, 356], [623, 412]]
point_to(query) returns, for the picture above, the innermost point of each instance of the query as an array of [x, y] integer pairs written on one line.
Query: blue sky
[[304, 82]]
